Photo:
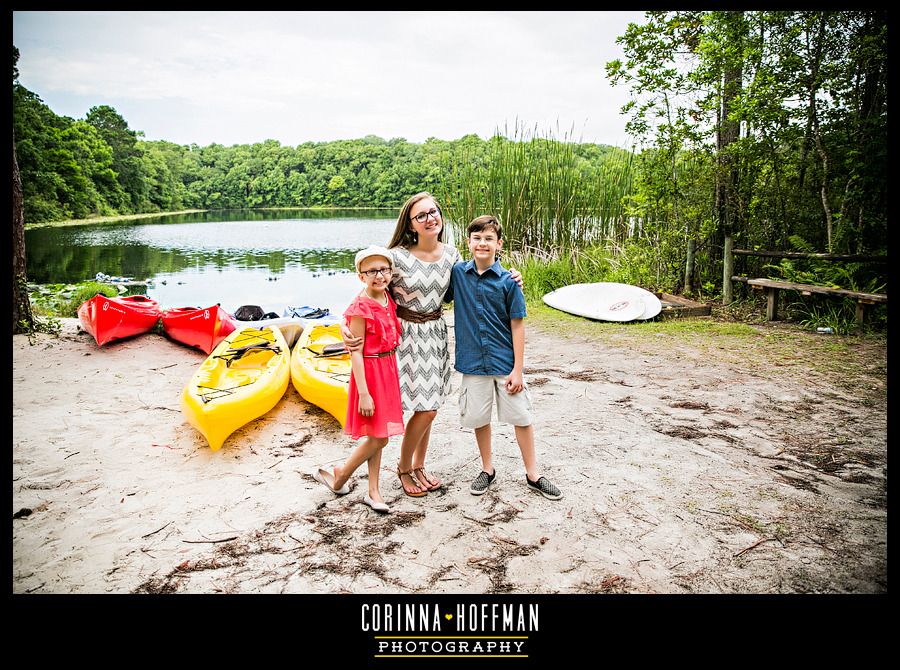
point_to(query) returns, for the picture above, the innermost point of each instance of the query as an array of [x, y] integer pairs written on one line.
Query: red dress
[[382, 377]]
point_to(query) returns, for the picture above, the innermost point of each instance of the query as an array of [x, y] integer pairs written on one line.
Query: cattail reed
[[551, 200]]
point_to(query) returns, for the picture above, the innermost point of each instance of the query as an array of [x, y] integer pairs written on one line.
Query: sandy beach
[[713, 464]]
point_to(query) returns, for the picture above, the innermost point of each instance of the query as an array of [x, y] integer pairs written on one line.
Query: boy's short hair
[[484, 222]]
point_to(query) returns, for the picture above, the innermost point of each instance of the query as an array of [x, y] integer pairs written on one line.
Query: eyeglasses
[[423, 217], [386, 272]]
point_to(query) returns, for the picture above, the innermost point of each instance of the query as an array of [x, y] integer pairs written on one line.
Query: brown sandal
[[410, 474], [423, 481]]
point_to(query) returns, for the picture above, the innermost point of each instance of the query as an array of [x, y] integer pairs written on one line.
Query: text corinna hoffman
[[429, 618]]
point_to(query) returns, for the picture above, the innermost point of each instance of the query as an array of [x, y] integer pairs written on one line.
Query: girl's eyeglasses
[[423, 217], [380, 271]]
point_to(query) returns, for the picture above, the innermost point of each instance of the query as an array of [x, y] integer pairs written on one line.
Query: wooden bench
[[772, 287]]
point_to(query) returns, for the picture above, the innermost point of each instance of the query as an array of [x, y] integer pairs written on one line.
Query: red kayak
[[198, 327], [110, 319]]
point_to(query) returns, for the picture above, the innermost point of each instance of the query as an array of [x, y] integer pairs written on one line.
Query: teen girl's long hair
[[404, 235]]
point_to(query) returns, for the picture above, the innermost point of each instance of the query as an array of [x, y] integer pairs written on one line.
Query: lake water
[[267, 258]]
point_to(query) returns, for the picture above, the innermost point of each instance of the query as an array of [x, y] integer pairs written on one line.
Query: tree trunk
[[817, 135], [728, 132], [873, 76], [731, 91], [717, 237], [689, 267], [23, 320], [673, 154], [727, 272]]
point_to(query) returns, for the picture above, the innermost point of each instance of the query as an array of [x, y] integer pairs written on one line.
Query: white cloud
[[238, 77]]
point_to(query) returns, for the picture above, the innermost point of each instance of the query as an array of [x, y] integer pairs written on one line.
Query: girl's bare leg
[[418, 461], [374, 463], [367, 448], [415, 446]]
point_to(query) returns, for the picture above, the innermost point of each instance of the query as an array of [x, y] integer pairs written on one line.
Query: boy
[[489, 313]]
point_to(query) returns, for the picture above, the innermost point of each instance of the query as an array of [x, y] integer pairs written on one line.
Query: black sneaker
[[544, 487], [482, 483]]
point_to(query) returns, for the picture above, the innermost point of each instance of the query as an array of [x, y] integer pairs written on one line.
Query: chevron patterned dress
[[423, 357]]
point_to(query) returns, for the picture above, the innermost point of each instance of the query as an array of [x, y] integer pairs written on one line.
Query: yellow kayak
[[320, 370], [243, 378]]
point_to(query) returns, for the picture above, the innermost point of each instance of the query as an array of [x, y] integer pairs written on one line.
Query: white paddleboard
[[652, 305], [605, 301]]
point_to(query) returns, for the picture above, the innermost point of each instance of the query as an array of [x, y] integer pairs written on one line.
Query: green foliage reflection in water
[[46, 263]]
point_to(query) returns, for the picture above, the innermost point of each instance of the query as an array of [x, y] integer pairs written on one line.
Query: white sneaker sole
[[485, 490]]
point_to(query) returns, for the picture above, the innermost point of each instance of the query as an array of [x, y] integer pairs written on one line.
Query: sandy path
[[710, 465]]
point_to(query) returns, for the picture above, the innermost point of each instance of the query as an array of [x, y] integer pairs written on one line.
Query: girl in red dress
[[374, 410]]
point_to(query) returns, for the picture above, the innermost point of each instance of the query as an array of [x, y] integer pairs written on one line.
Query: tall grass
[[549, 199], [565, 208], [543, 272]]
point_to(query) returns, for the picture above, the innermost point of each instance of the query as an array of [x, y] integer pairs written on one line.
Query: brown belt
[[382, 354], [418, 317]]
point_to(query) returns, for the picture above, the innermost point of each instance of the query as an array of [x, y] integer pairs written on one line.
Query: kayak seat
[[232, 355], [333, 349], [307, 312]]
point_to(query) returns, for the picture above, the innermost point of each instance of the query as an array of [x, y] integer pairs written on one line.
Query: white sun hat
[[373, 250]]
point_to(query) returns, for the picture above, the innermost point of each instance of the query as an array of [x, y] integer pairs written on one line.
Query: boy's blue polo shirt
[[483, 305]]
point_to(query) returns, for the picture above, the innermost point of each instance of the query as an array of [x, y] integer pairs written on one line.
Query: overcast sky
[[245, 77]]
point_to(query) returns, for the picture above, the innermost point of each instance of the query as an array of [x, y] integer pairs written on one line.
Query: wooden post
[[771, 304], [689, 267], [727, 271]]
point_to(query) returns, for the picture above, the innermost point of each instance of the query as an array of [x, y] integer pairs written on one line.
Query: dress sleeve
[[395, 275], [358, 308]]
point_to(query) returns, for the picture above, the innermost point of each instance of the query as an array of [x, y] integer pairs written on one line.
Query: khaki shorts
[[477, 394]]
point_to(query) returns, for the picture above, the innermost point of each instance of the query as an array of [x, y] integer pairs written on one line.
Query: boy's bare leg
[[525, 438], [483, 438]]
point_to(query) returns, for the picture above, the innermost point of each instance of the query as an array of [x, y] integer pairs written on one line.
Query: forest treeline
[[98, 166], [767, 128]]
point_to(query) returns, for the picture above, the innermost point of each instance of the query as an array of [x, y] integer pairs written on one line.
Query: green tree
[[104, 194], [790, 107], [23, 319], [126, 154]]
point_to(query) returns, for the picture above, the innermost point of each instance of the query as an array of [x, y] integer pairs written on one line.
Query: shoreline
[[149, 215]]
